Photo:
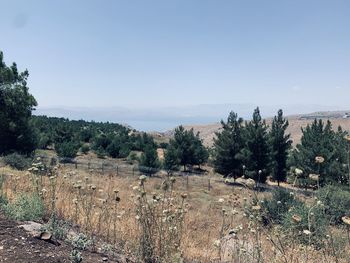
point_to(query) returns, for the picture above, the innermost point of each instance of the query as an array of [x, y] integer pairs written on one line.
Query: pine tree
[[171, 159], [228, 145], [280, 144], [256, 150], [189, 147], [149, 162], [319, 140]]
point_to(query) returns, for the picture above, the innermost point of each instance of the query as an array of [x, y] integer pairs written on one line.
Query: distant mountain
[[166, 118]]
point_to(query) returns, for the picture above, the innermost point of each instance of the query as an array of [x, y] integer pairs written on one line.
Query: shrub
[[85, 148], [17, 161], [25, 207], [308, 224], [276, 207], [336, 201], [66, 149]]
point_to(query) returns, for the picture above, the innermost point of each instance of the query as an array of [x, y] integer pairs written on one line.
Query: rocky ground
[[18, 245]]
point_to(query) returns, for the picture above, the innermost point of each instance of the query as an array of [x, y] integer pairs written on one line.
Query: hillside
[[296, 122]]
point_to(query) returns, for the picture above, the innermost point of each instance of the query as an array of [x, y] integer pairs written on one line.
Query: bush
[[85, 148], [17, 161], [336, 201], [276, 207], [25, 207], [300, 219], [66, 149]]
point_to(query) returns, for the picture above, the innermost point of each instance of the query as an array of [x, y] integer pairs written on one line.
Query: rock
[[104, 259], [33, 228], [45, 236]]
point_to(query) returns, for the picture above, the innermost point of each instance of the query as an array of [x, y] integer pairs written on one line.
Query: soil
[[16, 245]]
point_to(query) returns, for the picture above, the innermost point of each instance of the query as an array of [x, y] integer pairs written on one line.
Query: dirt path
[[16, 245]]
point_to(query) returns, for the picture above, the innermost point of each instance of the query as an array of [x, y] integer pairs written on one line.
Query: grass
[[215, 227]]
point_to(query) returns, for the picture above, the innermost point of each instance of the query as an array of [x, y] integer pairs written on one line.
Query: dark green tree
[[16, 106], [189, 147], [280, 146], [228, 145], [256, 151], [321, 140], [149, 162], [171, 159]]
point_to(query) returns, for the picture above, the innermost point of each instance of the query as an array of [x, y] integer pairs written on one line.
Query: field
[[212, 221]]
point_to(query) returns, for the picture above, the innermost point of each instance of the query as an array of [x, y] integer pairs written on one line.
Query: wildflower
[[143, 178], [306, 232], [346, 220], [298, 171], [221, 200], [314, 177], [296, 218], [256, 207], [217, 243], [319, 159]]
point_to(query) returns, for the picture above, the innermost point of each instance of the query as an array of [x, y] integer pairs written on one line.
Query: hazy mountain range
[[166, 118]]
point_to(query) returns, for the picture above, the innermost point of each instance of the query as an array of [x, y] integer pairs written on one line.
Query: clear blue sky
[[166, 52]]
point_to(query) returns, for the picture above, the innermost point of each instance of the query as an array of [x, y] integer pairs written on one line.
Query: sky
[[156, 53]]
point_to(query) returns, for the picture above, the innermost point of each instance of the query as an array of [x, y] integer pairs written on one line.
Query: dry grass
[[109, 212]]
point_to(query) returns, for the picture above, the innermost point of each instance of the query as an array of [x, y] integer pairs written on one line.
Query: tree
[[228, 145], [256, 150], [171, 159], [189, 147], [149, 162], [67, 149], [280, 144], [319, 140], [16, 106]]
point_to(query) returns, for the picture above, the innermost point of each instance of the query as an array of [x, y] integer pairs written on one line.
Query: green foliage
[[26, 207], [17, 161], [336, 201], [171, 159], [313, 219], [16, 105], [132, 157], [320, 140], [85, 148], [189, 147], [149, 162], [276, 207], [81, 241], [280, 144], [256, 151], [228, 145], [66, 149]]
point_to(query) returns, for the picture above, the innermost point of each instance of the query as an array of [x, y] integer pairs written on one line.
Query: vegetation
[[16, 105], [228, 147], [187, 148], [280, 144], [322, 152]]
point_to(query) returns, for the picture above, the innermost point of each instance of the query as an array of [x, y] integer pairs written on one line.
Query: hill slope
[[296, 122]]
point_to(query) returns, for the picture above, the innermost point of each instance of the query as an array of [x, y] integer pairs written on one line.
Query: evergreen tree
[[189, 147], [149, 162], [280, 144], [228, 145], [256, 150], [171, 159], [16, 106], [319, 140]]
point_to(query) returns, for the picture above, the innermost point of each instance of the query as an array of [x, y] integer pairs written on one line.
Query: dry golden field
[[198, 219]]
